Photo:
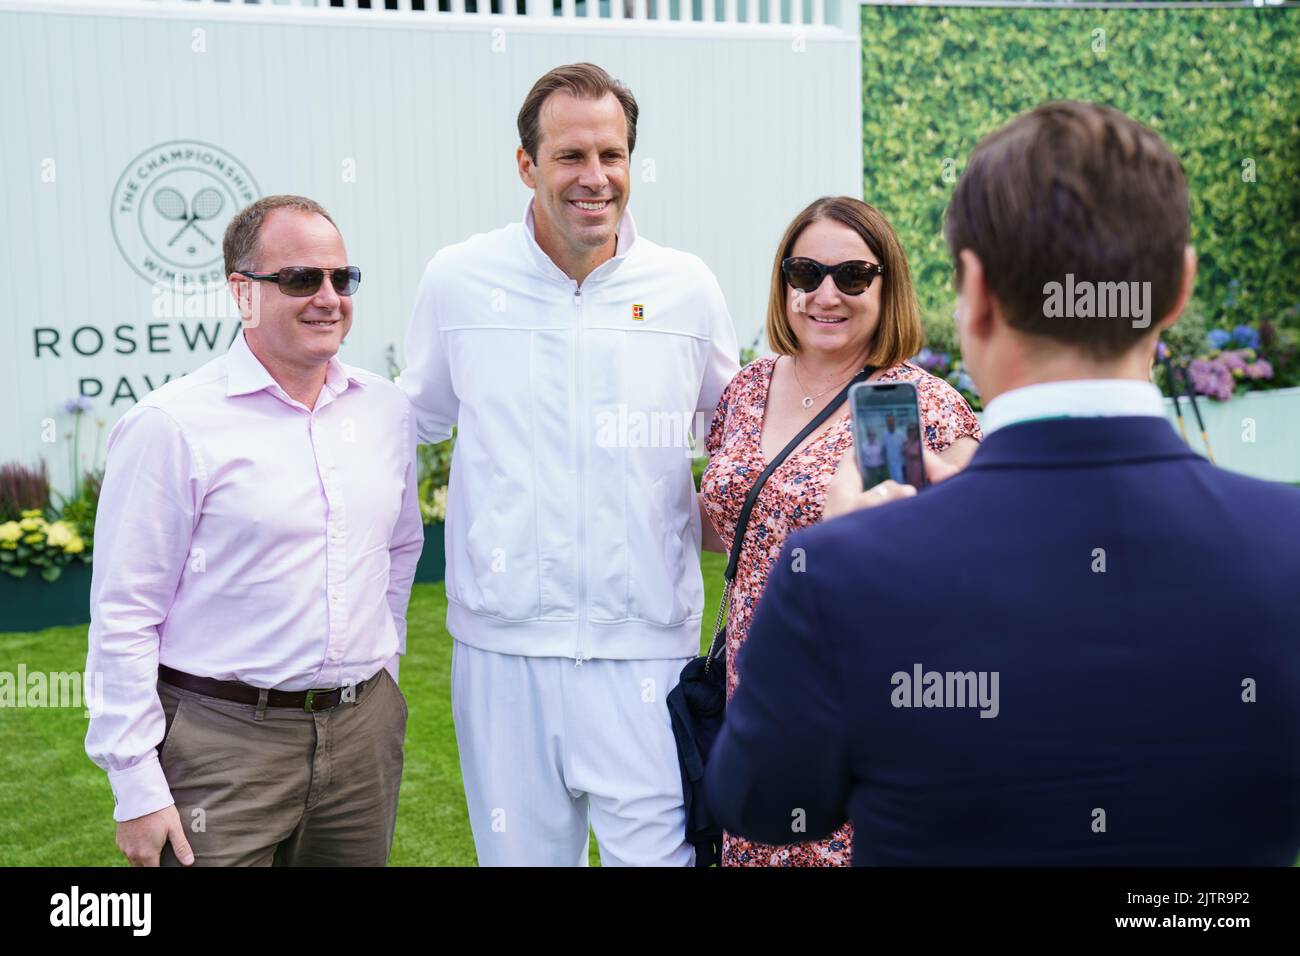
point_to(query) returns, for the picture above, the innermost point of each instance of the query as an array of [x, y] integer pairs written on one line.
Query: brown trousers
[[280, 786]]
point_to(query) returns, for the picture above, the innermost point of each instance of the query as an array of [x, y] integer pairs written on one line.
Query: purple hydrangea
[[933, 362], [1211, 377], [1261, 369]]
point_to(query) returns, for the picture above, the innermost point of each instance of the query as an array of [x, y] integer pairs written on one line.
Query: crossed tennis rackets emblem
[[206, 204]]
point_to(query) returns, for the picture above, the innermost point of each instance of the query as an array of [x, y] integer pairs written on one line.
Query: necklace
[[808, 400]]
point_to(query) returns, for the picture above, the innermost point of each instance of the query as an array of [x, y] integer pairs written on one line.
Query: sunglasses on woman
[[851, 278], [302, 281]]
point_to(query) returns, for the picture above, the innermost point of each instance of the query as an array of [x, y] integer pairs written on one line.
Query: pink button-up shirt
[[243, 536]]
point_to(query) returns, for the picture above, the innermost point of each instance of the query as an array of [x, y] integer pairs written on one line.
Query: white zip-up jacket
[[572, 528]]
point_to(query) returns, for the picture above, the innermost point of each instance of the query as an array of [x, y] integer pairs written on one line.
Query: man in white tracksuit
[[574, 356]]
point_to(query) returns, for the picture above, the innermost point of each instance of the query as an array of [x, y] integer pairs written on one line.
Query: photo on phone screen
[[887, 433]]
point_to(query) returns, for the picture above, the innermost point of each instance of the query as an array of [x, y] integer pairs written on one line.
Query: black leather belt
[[311, 701]]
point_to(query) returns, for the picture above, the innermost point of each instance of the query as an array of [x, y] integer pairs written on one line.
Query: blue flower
[[1218, 338], [78, 406], [965, 383], [1246, 337]]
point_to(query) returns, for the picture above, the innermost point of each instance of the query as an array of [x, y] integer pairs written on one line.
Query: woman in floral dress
[[822, 338]]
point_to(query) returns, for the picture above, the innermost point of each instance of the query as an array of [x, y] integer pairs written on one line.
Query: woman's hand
[[844, 494]]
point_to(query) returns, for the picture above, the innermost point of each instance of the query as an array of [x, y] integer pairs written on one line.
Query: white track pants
[[547, 746]]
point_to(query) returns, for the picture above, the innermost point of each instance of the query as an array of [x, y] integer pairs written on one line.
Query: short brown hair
[[1076, 189], [898, 336], [240, 243], [585, 81]]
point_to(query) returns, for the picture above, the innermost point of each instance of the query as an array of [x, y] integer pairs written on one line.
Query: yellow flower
[[75, 546], [10, 532], [60, 534], [33, 538], [435, 510], [33, 513], [32, 521], [9, 545]]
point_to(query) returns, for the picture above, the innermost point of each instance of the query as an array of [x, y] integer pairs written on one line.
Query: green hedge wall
[[1222, 86]]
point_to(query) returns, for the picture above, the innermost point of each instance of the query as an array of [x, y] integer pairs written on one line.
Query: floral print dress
[[792, 498]]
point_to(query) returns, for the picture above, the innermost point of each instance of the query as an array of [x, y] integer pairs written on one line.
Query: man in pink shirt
[[256, 539]]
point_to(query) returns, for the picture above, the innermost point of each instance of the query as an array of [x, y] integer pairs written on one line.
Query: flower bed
[[46, 573], [32, 602], [33, 545]]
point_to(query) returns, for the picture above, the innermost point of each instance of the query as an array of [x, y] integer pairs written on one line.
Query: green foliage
[[433, 464], [1281, 345], [1221, 86], [750, 352], [433, 470], [80, 510]]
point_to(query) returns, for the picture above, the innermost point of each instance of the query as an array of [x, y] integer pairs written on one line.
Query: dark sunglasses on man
[[302, 281], [851, 278]]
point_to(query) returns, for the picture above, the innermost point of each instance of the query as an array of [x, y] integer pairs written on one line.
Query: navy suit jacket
[[1146, 714]]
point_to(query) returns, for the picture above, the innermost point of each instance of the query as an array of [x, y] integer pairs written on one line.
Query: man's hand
[[844, 493], [141, 840]]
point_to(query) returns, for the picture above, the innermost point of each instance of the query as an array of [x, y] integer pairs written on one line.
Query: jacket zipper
[[582, 468]]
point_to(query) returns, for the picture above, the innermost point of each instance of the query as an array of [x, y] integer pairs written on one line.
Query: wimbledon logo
[[170, 208]]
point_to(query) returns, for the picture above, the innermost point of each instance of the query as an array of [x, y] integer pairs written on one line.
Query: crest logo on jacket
[[638, 313]]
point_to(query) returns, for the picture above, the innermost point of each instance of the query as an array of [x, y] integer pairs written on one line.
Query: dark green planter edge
[[433, 559], [33, 604]]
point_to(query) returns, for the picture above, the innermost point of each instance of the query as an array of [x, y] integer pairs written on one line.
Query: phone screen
[[887, 433]]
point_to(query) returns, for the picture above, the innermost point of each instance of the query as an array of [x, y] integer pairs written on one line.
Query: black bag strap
[[742, 524]]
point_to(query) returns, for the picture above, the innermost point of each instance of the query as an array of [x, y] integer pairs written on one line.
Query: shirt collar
[[1080, 398], [626, 239], [245, 374]]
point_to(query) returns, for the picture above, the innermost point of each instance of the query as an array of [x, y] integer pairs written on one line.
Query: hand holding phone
[[887, 437], [845, 494]]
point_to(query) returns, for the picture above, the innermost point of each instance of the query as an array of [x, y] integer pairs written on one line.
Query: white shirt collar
[[1080, 398], [626, 238]]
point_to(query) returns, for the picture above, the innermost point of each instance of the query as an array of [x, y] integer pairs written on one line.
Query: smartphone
[[887, 433]]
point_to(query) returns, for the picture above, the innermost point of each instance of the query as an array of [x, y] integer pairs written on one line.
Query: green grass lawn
[[56, 808]]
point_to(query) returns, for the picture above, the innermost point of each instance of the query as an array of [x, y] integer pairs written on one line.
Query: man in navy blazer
[[1084, 649]]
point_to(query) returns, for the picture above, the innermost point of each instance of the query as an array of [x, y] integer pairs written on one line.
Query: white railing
[[784, 13]]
